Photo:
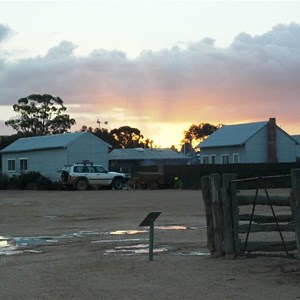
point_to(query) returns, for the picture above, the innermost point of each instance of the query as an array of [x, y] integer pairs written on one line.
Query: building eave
[[32, 150]]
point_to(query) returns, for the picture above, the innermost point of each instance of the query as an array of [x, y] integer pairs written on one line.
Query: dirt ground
[[89, 245]]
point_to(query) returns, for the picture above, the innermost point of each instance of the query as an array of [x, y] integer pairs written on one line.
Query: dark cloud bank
[[254, 72]]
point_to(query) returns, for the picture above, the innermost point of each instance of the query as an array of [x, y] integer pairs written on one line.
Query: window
[[11, 165], [78, 169], [213, 159], [100, 169], [236, 158], [23, 164], [90, 169], [225, 159], [205, 159]]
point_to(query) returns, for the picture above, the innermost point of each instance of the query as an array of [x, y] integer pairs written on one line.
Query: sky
[[159, 66]]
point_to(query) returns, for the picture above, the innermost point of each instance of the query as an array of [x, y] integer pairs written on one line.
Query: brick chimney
[[272, 141]]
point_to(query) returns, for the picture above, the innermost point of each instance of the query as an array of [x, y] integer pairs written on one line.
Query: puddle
[[4, 243], [134, 249], [179, 227], [171, 227], [81, 233], [12, 246], [17, 245], [7, 247], [29, 241], [11, 251], [118, 241], [167, 227], [195, 253], [127, 232]]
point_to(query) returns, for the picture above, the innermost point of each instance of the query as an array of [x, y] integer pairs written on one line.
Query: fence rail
[[258, 215]]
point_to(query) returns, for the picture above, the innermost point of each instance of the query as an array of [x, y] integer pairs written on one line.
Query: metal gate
[[264, 223]]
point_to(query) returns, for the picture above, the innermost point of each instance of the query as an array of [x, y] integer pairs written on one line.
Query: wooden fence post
[[208, 212], [217, 213], [295, 205], [230, 215]]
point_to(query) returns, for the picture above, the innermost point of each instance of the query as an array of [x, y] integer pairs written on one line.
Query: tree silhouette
[[122, 137], [40, 115], [127, 137], [196, 134]]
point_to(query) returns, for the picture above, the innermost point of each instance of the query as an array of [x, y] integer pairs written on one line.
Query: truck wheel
[[118, 184], [81, 185]]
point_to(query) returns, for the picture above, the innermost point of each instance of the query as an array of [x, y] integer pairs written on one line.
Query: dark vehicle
[[151, 180]]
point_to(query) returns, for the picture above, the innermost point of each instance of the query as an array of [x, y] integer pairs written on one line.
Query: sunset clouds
[[254, 78]]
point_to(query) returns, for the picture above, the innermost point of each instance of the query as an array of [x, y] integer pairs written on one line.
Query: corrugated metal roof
[[145, 153], [297, 138], [232, 135], [43, 142]]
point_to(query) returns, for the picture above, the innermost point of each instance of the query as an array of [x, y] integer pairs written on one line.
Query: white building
[[47, 154], [258, 142]]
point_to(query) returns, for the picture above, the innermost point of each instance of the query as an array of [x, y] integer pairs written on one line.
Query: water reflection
[[171, 227], [32, 241], [11, 246], [166, 227], [16, 245], [4, 242], [134, 249], [117, 241], [82, 233], [7, 246], [125, 232], [194, 253]]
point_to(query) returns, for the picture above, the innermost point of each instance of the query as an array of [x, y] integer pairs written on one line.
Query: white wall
[[257, 147], [48, 162], [286, 147]]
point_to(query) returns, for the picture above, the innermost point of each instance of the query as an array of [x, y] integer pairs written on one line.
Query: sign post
[[149, 221]]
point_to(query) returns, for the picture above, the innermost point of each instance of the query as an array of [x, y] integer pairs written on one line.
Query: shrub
[[3, 181], [32, 181], [44, 183]]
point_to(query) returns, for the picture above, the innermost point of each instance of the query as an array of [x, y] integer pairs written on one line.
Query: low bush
[[32, 181], [3, 181]]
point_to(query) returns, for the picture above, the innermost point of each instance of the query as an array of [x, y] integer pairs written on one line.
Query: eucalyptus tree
[[127, 137], [197, 133], [40, 115]]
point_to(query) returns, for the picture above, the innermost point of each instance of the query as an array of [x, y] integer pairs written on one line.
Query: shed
[[47, 154], [130, 159], [257, 142]]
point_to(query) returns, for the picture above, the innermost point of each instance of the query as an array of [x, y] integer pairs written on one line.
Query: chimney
[[272, 141]]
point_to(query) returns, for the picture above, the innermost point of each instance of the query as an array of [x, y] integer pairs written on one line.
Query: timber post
[[208, 212], [230, 215], [217, 213], [295, 205]]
